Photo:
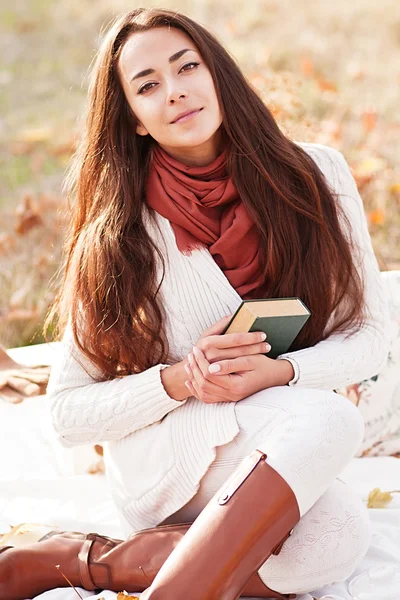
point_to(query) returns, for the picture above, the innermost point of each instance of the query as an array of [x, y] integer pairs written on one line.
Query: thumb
[[218, 327]]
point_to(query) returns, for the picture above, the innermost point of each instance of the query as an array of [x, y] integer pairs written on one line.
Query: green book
[[280, 318]]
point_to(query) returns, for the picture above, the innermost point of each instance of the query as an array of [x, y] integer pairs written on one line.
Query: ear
[[141, 129]]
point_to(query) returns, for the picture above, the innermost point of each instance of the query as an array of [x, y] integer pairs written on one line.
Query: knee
[[349, 422], [340, 421]]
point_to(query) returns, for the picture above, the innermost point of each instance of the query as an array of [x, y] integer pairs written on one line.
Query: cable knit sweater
[[156, 448]]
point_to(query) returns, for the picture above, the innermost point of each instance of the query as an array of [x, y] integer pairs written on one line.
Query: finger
[[194, 390], [11, 396], [208, 398], [253, 349], [218, 327], [197, 374], [232, 365], [23, 386], [30, 376], [45, 369], [191, 389], [218, 387], [3, 379], [201, 361], [234, 340]]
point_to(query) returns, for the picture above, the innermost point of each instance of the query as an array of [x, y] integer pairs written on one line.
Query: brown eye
[[144, 88], [196, 64]]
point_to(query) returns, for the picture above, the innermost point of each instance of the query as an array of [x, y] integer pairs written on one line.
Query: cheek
[[212, 96], [149, 113]]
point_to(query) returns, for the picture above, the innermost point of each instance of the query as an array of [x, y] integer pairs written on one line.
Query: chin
[[195, 140]]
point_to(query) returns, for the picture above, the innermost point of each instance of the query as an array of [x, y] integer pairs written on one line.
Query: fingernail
[[267, 347], [187, 369], [187, 384], [214, 368], [196, 351], [190, 357], [263, 336]]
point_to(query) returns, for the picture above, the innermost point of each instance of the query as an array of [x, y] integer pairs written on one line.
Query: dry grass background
[[329, 71]]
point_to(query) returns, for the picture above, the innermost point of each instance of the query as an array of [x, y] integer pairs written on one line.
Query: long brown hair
[[109, 276]]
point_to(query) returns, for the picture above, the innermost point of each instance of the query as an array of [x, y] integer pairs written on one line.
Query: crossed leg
[[308, 436]]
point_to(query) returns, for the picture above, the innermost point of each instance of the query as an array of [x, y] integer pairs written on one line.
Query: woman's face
[[163, 75]]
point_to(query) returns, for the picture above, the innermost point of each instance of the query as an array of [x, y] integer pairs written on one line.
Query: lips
[[186, 113]]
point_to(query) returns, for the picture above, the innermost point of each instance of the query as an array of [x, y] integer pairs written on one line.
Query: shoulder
[[326, 157], [333, 166]]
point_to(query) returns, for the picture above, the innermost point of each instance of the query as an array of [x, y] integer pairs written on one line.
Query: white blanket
[[42, 482]]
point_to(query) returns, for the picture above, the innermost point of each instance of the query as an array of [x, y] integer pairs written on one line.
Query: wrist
[[173, 379], [285, 371]]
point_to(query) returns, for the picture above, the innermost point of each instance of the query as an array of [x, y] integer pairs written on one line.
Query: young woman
[[189, 199]]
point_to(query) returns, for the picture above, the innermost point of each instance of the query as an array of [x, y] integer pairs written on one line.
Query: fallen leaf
[[379, 499], [27, 216], [125, 596], [99, 449]]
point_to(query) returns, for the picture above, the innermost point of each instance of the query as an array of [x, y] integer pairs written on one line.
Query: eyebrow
[[171, 59]]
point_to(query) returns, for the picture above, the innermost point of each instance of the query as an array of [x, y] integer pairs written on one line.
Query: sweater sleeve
[[340, 360], [85, 410]]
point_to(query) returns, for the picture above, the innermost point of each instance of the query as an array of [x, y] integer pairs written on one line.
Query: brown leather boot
[[97, 562], [249, 517]]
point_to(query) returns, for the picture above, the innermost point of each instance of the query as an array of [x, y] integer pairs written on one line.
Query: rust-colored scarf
[[204, 209]]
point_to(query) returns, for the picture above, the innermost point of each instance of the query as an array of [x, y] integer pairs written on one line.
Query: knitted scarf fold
[[204, 209]]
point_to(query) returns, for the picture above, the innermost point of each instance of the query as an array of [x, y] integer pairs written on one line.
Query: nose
[[174, 95]]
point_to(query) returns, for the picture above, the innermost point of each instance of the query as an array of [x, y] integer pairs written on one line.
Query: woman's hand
[[236, 378], [216, 347], [19, 381]]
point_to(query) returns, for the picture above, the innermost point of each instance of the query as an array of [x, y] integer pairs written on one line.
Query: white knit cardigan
[[157, 449]]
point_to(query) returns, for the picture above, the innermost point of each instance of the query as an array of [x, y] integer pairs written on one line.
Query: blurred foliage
[[330, 73]]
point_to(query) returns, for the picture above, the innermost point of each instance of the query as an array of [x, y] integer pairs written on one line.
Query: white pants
[[308, 436]]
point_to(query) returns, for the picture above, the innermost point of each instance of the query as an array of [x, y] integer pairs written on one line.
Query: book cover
[[280, 318]]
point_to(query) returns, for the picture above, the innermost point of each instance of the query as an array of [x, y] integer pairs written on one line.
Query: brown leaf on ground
[[125, 596], [27, 216], [99, 449]]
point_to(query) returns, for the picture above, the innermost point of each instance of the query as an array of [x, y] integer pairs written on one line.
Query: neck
[[197, 156]]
